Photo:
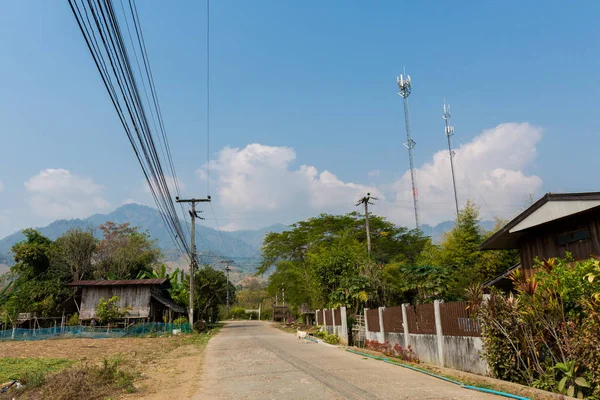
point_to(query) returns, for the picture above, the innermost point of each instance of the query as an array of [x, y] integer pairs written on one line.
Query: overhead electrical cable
[[100, 28]]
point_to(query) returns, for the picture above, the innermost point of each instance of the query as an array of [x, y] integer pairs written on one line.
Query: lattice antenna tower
[[449, 132], [404, 89]]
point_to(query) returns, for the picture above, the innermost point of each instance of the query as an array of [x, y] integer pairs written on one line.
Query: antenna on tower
[[449, 132], [404, 89]]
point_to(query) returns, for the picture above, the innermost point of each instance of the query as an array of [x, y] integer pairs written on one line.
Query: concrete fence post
[[317, 316], [438, 331], [366, 322], [381, 331], [405, 325], [333, 318], [344, 321]]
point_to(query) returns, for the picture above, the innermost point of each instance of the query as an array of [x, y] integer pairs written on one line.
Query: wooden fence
[[337, 317], [421, 319], [458, 320], [373, 320], [392, 320], [328, 318]]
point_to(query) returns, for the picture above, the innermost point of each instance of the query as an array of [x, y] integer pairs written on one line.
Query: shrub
[[108, 310], [392, 351], [320, 334], [181, 321], [238, 313], [546, 335], [331, 339], [73, 320]]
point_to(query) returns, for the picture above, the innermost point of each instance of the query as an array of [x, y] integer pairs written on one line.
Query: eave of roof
[[126, 282], [167, 302], [503, 275], [503, 239]]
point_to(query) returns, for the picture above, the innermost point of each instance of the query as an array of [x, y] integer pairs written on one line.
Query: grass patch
[[201, 339], [30, 370]]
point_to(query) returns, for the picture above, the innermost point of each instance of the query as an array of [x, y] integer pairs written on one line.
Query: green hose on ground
[[387, 360]]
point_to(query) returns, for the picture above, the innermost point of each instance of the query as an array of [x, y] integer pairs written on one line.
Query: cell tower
[[404, 89], [449, 132]]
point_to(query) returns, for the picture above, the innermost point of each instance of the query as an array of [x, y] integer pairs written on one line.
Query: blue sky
[[312, 85]]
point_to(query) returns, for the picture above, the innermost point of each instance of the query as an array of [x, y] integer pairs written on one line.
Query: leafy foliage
[[324, 260], [547, 334], [406, 354], [108, 310]]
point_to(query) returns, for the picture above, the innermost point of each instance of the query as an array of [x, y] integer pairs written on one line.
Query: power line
[[102, 33], [207, 97]]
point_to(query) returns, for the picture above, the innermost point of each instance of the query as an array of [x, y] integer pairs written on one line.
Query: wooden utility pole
[[366, 201], [194, 215]]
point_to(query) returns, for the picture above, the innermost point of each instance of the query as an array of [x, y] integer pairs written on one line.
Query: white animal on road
[[301, 335]]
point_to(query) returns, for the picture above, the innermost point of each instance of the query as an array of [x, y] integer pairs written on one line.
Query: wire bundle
[[104, 37]]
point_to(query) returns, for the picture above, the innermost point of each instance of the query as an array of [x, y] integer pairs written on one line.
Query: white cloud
[[489, 170], [260, 178], [57, 193]]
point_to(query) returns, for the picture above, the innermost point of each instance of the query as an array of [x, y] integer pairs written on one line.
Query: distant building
[[554, 225], [148, 299]]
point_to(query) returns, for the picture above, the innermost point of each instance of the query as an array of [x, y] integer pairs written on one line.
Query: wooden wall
[[136, 297], [543, 241]]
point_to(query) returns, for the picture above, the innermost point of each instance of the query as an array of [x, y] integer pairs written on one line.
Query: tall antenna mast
[[449, 132], [404, 89]]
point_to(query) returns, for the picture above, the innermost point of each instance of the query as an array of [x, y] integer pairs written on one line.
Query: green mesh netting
[[97, 332]]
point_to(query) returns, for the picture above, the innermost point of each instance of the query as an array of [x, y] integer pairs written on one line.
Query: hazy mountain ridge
[[242, 246], [235, 245], [437, 232]]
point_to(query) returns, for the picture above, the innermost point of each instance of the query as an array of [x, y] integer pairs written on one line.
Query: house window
[[571, 237]]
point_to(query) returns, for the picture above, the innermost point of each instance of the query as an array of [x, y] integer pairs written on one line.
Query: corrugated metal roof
[[167, 302], [161, 281]]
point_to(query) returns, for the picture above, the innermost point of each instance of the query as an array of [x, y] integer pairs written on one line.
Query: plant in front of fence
[[397, 351], [320, 334], [331, 339], [548, 330]]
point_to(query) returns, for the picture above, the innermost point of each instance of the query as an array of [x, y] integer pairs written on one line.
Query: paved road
[[253, 360]]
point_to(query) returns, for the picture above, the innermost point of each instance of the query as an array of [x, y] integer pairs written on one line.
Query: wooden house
[[147, 299], [551, 227]]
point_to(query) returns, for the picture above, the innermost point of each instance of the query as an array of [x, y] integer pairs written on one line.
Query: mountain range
[[242, 246]]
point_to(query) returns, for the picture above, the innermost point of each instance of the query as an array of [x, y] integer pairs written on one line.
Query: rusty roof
[[134, 282]]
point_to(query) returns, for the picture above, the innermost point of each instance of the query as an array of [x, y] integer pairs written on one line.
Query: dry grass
[[102, 367]]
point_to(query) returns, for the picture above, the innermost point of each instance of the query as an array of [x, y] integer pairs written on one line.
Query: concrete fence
[[334, 321], [443, 334]]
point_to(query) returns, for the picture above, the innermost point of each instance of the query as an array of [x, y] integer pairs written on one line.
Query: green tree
[[124, 252], [76, 250], [37, 278], [210, 292]]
